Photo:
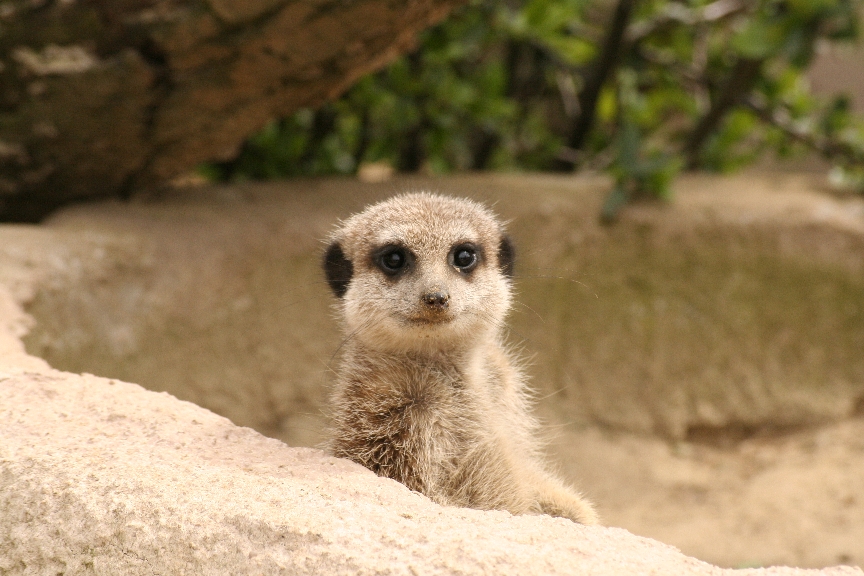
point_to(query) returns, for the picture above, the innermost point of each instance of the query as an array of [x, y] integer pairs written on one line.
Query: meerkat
[[427, 392]]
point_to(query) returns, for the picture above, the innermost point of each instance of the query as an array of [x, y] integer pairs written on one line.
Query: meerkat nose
[[437, 300]]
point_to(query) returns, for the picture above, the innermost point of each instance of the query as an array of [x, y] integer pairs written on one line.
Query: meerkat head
[[421, 272]]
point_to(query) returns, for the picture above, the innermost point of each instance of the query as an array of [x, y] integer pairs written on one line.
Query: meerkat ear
[[506, 256], [338, 269]]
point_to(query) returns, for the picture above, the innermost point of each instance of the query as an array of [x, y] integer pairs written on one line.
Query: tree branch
[[599, 72], [829, 148], [738, 85]]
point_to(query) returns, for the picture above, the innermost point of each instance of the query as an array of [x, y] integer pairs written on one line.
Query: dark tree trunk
[[599, 71], [363, 139], [100, 97], [483, 147], [323, 124], [412, 154]]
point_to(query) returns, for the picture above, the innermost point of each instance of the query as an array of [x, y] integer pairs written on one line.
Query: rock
[[102, 476], [213, 294]]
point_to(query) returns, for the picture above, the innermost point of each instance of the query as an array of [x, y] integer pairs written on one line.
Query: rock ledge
[[98, 475]]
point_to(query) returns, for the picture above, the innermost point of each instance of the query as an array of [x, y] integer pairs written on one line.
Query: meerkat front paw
[[558, 500]]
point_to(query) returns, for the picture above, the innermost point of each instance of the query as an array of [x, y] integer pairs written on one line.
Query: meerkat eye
[[392, 260], [464, 257]]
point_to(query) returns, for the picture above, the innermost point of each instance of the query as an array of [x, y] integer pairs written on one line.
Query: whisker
[[523, 305], [345, 340], [501, 324], [550, 277], [553, 393]]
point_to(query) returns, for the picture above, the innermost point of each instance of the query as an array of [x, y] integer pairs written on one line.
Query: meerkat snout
[[437, 301]]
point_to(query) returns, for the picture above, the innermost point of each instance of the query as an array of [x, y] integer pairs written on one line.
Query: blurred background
[[683, 180], [103, 99], [640, 90]]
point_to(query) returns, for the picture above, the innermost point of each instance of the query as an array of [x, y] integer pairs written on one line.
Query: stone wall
[[734, 310]]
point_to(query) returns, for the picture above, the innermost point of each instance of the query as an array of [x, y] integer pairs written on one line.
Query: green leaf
[[615, 200], [759, 39]]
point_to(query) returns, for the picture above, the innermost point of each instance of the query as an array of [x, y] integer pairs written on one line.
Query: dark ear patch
[[338, 269], [506, 256]]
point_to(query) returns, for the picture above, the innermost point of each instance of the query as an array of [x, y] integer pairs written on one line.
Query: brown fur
[[427, 393]]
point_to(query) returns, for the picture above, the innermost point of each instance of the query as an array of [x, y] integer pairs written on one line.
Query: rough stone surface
[[100, 476], [215, 296], [101, 97]]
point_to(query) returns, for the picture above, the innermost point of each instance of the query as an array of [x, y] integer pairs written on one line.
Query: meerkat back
[[427, 393]]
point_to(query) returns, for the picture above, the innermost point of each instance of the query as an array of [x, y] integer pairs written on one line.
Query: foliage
[[640, 88]]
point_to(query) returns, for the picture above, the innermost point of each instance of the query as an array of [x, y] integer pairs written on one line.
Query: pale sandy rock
[[213, 296], [101, 476]]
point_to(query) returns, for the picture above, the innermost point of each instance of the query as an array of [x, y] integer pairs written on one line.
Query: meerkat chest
[[412, 421], [418, 400]]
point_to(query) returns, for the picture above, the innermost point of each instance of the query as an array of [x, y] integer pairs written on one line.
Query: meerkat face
[[421, 272]]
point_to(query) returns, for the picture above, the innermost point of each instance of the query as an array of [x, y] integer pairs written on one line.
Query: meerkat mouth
[[430, 320]]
